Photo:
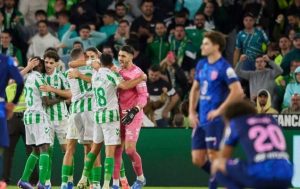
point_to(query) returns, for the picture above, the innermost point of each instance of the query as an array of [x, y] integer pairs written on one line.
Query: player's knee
[[70, 151], [198, 161], [130, 151]]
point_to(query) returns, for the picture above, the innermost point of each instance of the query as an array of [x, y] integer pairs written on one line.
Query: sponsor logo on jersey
[[214, 75]]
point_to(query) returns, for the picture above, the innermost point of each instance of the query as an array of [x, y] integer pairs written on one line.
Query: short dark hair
[[217, 38], [42, 21], [155, 68], [84, 26], [51, 54], [120, 4], [180, 14], [147, 1], [106, 60], [41, 61], [9, 32], [40, 12], [179, 25], [63, 13], [240, 108], [199, 13], [110, 13], [77, 42], [75, 53], [160, 22], [50, 49], [93, 49], [124, 21], [127, 49]]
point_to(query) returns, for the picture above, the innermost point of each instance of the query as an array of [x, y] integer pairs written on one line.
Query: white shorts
[[81, 127], [107, 132], [60, 128], [37, 134]]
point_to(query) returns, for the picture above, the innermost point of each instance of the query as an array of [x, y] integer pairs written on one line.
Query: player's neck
[[214, 57], [129, 66]]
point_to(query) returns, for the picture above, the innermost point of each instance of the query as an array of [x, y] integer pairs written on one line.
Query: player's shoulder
[[201, 63]]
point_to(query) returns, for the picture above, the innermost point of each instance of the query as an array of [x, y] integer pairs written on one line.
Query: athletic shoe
[[64, 186], [40, 186], [124, 184], [82, 184], [95, 186], [70, 185], [3, 185], [24, 185], [115, 187], [138, 184]]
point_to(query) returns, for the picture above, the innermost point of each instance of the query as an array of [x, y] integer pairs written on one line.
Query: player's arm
[[129, 84], [60, 92], [49, 102], [77, 63], [75, 74], [32, 62], [193, 101]]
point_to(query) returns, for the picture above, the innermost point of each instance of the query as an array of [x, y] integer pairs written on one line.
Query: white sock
[[48, 182], [70, 179], [141, 178], [84, 178], [116, 182], [106, 184]]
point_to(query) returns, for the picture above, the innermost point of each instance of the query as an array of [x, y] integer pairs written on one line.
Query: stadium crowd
[[263, 45]]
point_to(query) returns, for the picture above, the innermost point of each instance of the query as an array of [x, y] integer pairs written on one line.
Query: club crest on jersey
[[214, 75]]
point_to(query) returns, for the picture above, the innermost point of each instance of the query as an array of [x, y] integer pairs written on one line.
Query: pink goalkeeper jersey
[[135, 96]]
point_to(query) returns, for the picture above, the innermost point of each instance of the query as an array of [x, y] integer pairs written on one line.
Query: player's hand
[[266, 58], [72, 27], [9, 109], [46, 88], [73, 74], [33, 62], [127, 119], [143, 77], [194, 121], [243, 58], [218, 164], [213, 114]]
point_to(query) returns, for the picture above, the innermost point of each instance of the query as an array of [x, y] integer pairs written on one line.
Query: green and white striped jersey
[[105, 83], [82, 93], [33, 98], [59, 111]]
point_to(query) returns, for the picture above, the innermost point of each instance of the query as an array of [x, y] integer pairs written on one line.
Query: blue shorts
[[208, 136], [4, 140], [257, 175]]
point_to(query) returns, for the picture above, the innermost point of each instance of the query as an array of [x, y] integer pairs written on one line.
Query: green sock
[[108, 170], [66, 171], [29, 167], [96, 175], [70, 177], [88, 164], [50, 152], [122, 170], [43, 167]]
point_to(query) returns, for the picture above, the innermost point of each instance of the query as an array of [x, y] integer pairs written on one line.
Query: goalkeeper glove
[[127, 119]]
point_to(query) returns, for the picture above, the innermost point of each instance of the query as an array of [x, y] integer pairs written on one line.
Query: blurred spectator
[[295, 7], [64, 25], [54, 7], [191, 5], [144, 25], [183, 48], [110, 26], [180, 18], [41, 41], [215, 15], [159, 46], [12, 16], [264, 103], [8, 48], [292, 88], [250, 42], [139, 58], [174, 74], [293, 21], [118, 40], [294, 54], [262, 77], [156, 88], [87, 37], [294, 107], [122, 12], [28, 8], [106, 49], [178, 120], [292, 34], [83, 12], [133, 6], [2, 27], [196, 33], [285, 46]]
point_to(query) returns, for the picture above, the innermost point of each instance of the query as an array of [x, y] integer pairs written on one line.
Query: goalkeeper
[[131, 102]]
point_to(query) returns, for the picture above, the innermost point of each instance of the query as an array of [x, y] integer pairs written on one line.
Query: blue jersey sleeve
[[229, 75], [15, 75], [233, 137]]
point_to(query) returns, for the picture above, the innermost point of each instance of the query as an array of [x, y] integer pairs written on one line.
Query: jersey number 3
[[267, 138]]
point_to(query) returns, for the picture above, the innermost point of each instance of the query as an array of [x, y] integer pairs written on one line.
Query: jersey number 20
[[261, 135]]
